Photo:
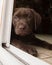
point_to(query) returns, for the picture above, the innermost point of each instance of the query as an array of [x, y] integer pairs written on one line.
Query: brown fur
[[25, 22]]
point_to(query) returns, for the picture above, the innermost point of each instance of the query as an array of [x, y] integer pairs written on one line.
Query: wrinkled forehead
[[23, 11]]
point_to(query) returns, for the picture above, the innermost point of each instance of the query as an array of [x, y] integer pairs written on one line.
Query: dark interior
[[44, 8]]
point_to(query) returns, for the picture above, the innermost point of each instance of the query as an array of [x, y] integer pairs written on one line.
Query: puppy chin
[[21, 33]]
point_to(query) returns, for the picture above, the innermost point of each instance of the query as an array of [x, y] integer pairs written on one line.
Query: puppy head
[[25, 20]]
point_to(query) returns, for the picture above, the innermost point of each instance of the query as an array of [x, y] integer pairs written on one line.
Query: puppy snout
[[22, 27]]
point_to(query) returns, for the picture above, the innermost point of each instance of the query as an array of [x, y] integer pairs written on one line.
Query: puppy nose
[[21, 27]]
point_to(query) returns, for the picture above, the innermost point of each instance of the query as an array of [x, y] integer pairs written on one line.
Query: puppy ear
[[37, 19], [13, 22], [14, 16]]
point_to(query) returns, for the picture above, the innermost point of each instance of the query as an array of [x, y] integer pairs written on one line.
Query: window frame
[[2, 14]]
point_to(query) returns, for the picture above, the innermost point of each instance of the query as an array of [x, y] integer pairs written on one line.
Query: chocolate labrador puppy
[[25, 22]]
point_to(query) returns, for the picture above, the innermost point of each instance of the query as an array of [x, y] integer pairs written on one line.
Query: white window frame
[[2, 15], [12, 55], [7, 22]]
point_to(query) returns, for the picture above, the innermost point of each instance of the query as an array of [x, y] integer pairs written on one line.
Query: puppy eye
[[25, 15], [15, 17], [29, 16]]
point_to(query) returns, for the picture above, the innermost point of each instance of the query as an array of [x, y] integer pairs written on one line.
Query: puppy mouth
[[22, 32]]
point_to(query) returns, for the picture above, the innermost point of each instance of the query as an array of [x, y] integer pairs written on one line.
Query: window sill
[[14, 56]]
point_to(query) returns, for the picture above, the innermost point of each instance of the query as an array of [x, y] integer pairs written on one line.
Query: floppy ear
[[14, 16], [37, 19]]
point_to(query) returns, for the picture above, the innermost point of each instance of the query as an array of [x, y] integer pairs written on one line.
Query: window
[[11, 55]]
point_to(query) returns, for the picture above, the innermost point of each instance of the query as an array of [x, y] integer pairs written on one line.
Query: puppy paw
[[30, 50], [27, 48]]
